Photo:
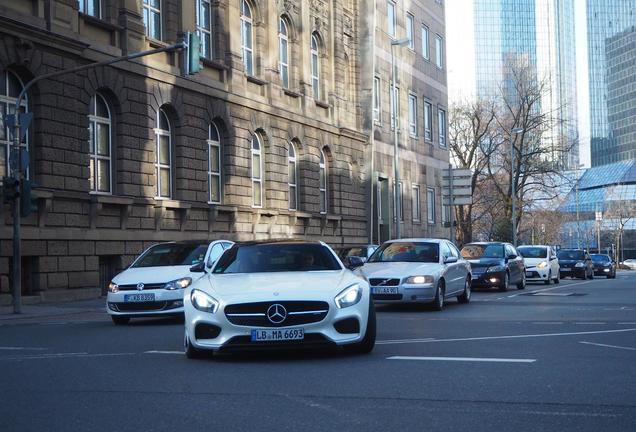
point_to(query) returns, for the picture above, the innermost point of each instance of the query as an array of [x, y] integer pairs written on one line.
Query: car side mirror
[[353, 262], [450, 260], [198, 267], [511, 256]]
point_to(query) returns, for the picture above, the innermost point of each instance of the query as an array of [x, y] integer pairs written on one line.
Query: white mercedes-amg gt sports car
[[278, 294]]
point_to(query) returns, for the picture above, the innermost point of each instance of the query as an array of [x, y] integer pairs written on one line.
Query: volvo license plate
[[135, 298], [268, 335], [384, 290]]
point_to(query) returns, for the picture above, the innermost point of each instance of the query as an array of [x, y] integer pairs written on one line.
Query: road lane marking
[[408, 341], [548, 322], [463, 359], [627, 323], [7, 348], [163, 352], [609, 346], [549, 289], [65, 355], [589, 323]]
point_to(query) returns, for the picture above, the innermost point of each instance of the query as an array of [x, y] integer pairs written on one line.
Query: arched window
[[293, 177], [100, 145], [163, 158], [315, 67], [10, 88], [247, 37], [214, 164], [257, 172], [323, 182], [283, 52]]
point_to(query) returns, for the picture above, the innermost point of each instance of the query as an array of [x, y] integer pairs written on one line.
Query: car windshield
[[406, 252], [533, 252], [277, 257], [571, 255], [172, 254], [477, 251], [600, 258]]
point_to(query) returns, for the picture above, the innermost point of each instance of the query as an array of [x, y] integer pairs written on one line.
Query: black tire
[[438, 302], [465, 296], [549, 280], [557, 279], [591, 276], [193, 352], [522, 285], [120, 320], [504, 285], [365, 346]]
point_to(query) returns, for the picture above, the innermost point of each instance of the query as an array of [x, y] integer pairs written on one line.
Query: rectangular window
[[395, 99], [430, 205], [416, 203], [425, 42], [428, 121], [409, 30], [152, 18], [441, 125], [91, 7], [391, 16], [204, 27], [412, 115], [376, 99], [439, 51]]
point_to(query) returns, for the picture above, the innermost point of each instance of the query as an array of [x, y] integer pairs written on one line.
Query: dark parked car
[[604, 265], [576, 263], [495, 264], [363, 252]]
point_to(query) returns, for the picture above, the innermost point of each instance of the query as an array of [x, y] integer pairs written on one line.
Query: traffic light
[[193, 53], [28, 203], [9, 189]]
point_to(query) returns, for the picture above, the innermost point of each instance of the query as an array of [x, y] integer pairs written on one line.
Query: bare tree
[[618, 212]]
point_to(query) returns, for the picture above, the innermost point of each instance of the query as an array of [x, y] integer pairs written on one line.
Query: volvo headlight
[[349, 296], [494, 269], [579, 264], [418, 280], [178, 284], [542, 264], [113, 287], [203, 302]]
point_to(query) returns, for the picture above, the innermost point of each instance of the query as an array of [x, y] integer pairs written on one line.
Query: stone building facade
[[271, 139]]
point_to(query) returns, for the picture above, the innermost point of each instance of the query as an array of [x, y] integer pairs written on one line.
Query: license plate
[[528, 274], [384, 290], [133, 298], [264, 335]]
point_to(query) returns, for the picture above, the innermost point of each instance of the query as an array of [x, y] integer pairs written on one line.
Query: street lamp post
[[514, 131], [396, 163]]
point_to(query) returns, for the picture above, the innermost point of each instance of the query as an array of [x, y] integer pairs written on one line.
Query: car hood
[[150, 275], [486, 262], [279, 285], [531, 262], [569, 262], [398, 269]]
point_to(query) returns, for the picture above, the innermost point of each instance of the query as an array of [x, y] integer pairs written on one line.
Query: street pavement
[[549, 358]]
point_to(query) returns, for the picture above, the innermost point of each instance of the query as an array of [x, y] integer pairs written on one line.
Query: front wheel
[[465, 296], [522, 285], [366, 345], [557, 279], [549, 280], [505, 283], [438, 302]]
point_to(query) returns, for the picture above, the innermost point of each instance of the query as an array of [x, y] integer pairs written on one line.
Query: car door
[[514, 263], [461, 267], [450, 272]]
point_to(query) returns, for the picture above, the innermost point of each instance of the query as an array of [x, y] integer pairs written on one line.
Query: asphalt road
[[550, 358]]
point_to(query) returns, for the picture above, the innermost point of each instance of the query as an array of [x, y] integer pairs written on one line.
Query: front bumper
[[602, 271], [214, 331], [577, 272], [488, 280], [404, 293], [166, 303], [537, 274]]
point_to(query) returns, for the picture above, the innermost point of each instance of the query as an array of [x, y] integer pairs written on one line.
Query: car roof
[[545, 246], [485, 243], [279, 241], [413, 240]]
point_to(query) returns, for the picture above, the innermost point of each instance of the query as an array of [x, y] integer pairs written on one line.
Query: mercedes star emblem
[[276, 313], [140, 286]]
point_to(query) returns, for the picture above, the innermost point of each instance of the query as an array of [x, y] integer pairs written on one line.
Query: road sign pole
[[17, 252], [451, 208]]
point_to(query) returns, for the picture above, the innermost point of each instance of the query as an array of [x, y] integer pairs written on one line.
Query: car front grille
[[296, 313], [384, 282], [133, 287], [139, 306]]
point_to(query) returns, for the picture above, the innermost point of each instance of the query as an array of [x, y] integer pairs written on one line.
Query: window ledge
[[255, 80], [322, 104], [156, 43], [171, 204], [214, 64], [111, 199], [99, 22], [291, 93]]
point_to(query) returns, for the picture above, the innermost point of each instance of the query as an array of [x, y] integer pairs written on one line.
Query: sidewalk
[[59, 311]]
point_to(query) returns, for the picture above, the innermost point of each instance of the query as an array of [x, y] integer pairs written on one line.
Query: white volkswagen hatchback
[[274, 294], [153, 284], [541, 263]]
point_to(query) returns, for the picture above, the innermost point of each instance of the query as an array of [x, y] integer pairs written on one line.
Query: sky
[[461, 57]]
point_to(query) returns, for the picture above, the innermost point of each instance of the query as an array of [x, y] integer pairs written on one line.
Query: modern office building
[[525, 33], [609, 24], [277, 136]]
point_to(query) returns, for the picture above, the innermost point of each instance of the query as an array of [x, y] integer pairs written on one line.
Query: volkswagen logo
[[276, 313], [140, 286]]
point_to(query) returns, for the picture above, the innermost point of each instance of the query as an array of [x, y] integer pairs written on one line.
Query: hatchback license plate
[[385, 290], [528, 274], [265, 335], [134, 298]]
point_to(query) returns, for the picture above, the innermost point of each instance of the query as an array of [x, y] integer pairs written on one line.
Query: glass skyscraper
[[611, 57]]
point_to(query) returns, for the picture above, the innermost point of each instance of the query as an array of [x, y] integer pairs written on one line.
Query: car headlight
[[579, 264], [494, 269], [418, 280], [542, 264], [178, 284], [203, 302], [349, 296], [113, 287]]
